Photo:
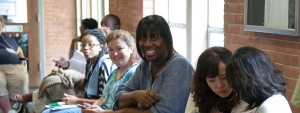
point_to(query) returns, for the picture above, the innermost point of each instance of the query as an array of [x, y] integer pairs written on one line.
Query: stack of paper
[[78, 62], [59, 106]]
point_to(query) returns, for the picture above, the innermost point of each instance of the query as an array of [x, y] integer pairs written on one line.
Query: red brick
[[253, 42], [292, 47], [234, 1], [290, 83], [59, 29], [240, 19], [243, 40], [282, 58], [242, 31], [288, 94], [294, 60], [291, 72], [237, 8], [266, 43], [233, 38], [270, 54], [233, 28]]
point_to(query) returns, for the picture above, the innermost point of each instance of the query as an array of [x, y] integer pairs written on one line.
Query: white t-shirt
[[191, 108], [275, 104]]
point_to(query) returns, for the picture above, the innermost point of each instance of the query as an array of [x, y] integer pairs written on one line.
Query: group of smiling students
[[164, 81]]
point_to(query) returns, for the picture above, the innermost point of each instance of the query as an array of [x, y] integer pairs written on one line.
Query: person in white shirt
[[211, 92], [251, 73]]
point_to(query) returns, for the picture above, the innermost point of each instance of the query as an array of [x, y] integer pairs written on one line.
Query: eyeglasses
[[89, 45]]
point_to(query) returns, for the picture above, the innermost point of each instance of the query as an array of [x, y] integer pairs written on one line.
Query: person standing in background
[[110, 23], [13, 74]]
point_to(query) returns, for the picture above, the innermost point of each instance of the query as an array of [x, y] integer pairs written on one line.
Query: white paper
[[78, 62], [276, 13], [60, 107]]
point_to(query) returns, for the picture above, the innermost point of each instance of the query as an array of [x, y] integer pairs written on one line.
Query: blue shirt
[[96, 76], [8, 57], [112, 84], [172, 84]]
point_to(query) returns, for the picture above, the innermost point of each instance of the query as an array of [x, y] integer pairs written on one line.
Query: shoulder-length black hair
[[208, 66], [154, 24], [253, 76]]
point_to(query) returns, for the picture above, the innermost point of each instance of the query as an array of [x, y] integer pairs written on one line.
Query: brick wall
[[60, 25], [129, 11], [283, 50], [60, 29]]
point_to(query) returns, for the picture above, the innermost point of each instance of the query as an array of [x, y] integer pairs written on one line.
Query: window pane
[[94, 13], [177, 11], [216, 13], [179, 40], [216, 39]]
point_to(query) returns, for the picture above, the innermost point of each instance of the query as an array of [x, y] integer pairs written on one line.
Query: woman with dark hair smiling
[[161, 81], [257, 81]]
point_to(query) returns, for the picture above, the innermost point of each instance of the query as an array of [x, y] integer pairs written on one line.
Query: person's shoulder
[[105, 58], [275, 103], [143, 63], [8, 38], [133, 67], [275, 99], [241, 107], [142, 66], [177, 58]]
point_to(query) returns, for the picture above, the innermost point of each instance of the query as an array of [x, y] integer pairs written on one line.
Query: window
[[86, 9], [215, 23], [177, 18], [195, 24]]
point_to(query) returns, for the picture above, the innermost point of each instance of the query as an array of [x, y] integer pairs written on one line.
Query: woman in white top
[[211, 92], [257, 81]]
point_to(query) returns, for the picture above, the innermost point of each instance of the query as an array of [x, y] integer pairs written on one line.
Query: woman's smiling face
[[153, 47], [119, 52]]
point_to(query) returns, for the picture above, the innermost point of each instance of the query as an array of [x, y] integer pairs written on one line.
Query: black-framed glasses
[[90, 45]]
